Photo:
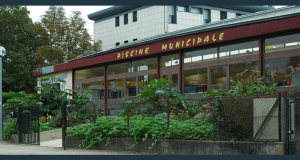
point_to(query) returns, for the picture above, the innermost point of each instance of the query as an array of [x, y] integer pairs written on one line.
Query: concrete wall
[[188, 147]]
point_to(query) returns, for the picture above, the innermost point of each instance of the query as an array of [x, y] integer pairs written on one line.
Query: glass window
[[182, 8], [241, 49], [169, 60], [126, 19], [130, 87], [223, 15], [200, 55], [118, 68], [242, 70], [175, 80], [218, 77], [117, 21], [115, 88], [195, 80], [144, 80], [144, 65], [196, 10], [134, 16], [89, 73], [287, 70], [282, 43], [97, 88]]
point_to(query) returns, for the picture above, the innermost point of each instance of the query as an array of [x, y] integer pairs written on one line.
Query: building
[[119, 25], [197, 59]]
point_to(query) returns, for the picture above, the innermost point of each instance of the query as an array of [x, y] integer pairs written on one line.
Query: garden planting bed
[[186, 147]]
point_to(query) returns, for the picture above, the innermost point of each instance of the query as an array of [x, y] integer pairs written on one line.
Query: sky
[[37, 11]]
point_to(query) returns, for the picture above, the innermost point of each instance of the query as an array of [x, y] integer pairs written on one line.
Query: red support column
[[105, 90], [261, 56], [158, 67], [180, 71], [73, 80]]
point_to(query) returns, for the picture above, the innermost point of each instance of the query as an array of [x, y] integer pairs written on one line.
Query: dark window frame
[[134, 16], [125, 19], [117, 21]]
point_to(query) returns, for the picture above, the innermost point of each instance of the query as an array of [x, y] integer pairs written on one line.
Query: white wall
[[68, 79], [186, 20], [150, 22]]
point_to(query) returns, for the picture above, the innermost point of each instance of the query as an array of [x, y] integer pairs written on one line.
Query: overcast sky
[[37, 11]]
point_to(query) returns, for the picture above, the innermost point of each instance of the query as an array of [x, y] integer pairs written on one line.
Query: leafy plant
[[45, 127], [10, 128]]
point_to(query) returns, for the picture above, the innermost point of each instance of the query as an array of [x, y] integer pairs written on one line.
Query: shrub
[[10, 128]]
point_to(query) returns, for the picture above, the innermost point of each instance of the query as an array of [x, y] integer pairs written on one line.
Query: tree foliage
[[18, 36], [67, 37]]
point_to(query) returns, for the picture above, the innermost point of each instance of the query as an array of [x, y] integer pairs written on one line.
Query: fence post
[[168, 106], [127, 118], [95, 113], [279, 117]]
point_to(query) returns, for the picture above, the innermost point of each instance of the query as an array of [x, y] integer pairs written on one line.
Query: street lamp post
[[2, 54]]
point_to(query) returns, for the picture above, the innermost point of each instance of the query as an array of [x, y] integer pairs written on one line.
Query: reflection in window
[[115, 88], [200, 55], [89, 73], [144, 65], [195, 80], [242, 71], [282, 43], [175, 81], [130, 86], [144, 80], [287, 70], [97, 88], [169, 60], [118, 68], [218, 77], [241, 49]]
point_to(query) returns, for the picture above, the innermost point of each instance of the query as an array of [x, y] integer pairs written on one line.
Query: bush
[[10, 128]]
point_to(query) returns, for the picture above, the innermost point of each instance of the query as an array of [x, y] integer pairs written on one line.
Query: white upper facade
[[147, 21]]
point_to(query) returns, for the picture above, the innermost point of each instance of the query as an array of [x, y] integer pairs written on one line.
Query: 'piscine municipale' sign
[[184, 43]]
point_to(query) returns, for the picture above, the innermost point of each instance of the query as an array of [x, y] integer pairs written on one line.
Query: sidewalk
[[7, 148]]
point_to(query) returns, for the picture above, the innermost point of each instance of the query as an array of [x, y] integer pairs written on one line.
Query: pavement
[[54, 147]]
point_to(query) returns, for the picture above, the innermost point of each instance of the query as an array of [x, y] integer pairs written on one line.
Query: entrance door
[[293, 126]]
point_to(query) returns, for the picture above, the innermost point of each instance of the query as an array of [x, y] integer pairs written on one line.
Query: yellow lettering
[[131, 53], [221, 36], [164, 47], [193, 41], [122, 55], [182, 44], [171, 46], [206, 39], [213, 38], [199, 40], [141, 51], [188, 42], [177, 44], [135, 52], [118, 56], [146, 50], [126, 54]]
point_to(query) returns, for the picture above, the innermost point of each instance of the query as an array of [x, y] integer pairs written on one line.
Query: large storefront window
[[287, 70], [144, 80], [144, 65], [89, 73], [282, 43], [218, 77], [119, 68], [238, 50], [169, 60], [195, 80], [200, 55], [115, 88], [242, 70], [97, 88], [130, 86]]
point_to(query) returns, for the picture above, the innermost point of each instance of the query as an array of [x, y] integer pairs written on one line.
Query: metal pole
[[127, 118], [1, 114]]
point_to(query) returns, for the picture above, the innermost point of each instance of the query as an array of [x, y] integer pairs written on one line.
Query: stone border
[[187, 147]]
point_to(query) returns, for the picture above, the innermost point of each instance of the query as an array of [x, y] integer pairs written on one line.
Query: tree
[[68, 38], [18, 36]]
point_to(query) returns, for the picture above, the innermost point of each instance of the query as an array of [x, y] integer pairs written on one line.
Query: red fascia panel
[[233, 33], [37, 72]]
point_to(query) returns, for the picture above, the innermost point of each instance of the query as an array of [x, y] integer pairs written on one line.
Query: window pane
[[89, 73], [195, 80], [118, 68], [181, 8], [169, 60], [175, 81], [200, 55], [134, 16], [115, 88], [282, 43], [287, 70], [196, 10], [130, 86], [144, 80], [242, 70], [144, 65], [218, 76], [241, 49], [126, 19], [97, 88]]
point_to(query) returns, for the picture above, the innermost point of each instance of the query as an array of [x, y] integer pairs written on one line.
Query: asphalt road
[[8, 148]]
